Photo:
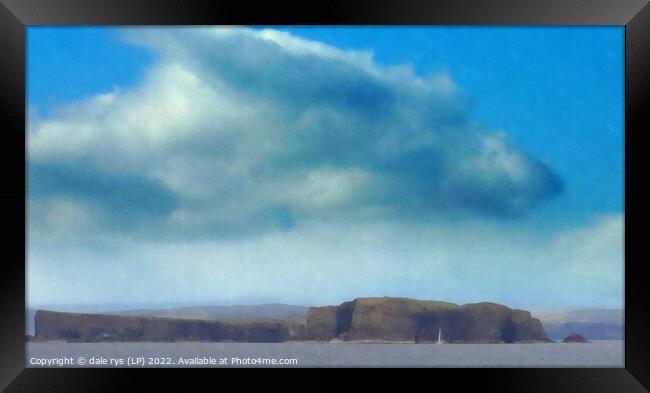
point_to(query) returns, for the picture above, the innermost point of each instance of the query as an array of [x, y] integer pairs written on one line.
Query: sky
[[316, 165]]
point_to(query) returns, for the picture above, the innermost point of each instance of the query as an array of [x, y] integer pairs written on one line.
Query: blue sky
[[514, 138]]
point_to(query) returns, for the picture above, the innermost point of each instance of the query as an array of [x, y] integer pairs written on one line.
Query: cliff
[[380, 319], [51, 325], [400, 319]]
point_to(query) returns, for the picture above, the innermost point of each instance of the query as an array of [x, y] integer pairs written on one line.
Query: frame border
[[16, 15]]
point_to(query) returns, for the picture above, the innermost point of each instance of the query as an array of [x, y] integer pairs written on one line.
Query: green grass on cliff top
[[411, 304]]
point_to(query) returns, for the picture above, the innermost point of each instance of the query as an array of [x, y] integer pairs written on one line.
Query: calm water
[[595, 354]]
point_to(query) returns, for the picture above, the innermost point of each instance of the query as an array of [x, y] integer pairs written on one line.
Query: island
[[379, 319], [575, 338]]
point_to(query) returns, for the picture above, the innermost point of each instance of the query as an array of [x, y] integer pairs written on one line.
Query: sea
[[604, 354]]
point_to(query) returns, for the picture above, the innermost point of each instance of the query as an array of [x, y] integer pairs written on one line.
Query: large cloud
[[238, 131]]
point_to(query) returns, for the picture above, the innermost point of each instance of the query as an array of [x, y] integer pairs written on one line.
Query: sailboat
[[440, 337]]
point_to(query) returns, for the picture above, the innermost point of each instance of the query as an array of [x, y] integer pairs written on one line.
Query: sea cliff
[[400, 319], [363, 319], [76, 327]]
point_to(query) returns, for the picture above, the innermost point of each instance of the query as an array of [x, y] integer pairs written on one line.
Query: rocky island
[[383, 319], [575, 338]]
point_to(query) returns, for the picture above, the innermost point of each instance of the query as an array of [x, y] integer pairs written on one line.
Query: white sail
[[439, 336]]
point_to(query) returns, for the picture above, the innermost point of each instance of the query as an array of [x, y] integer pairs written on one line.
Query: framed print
[[449, 186]]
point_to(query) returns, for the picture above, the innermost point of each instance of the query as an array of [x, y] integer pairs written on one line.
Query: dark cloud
[[125, 200]]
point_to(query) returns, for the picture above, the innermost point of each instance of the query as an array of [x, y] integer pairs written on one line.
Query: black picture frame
[[15, 15]]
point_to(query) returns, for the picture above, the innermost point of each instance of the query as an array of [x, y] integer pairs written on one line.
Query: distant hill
[[589, 330], [258, 311], [593, 324], [614, 316]]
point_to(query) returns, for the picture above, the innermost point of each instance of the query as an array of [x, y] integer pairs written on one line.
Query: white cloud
[[264, 126], [595, 254], [61, 217]]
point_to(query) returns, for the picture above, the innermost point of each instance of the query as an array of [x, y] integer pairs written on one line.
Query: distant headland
[[380, 319]]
